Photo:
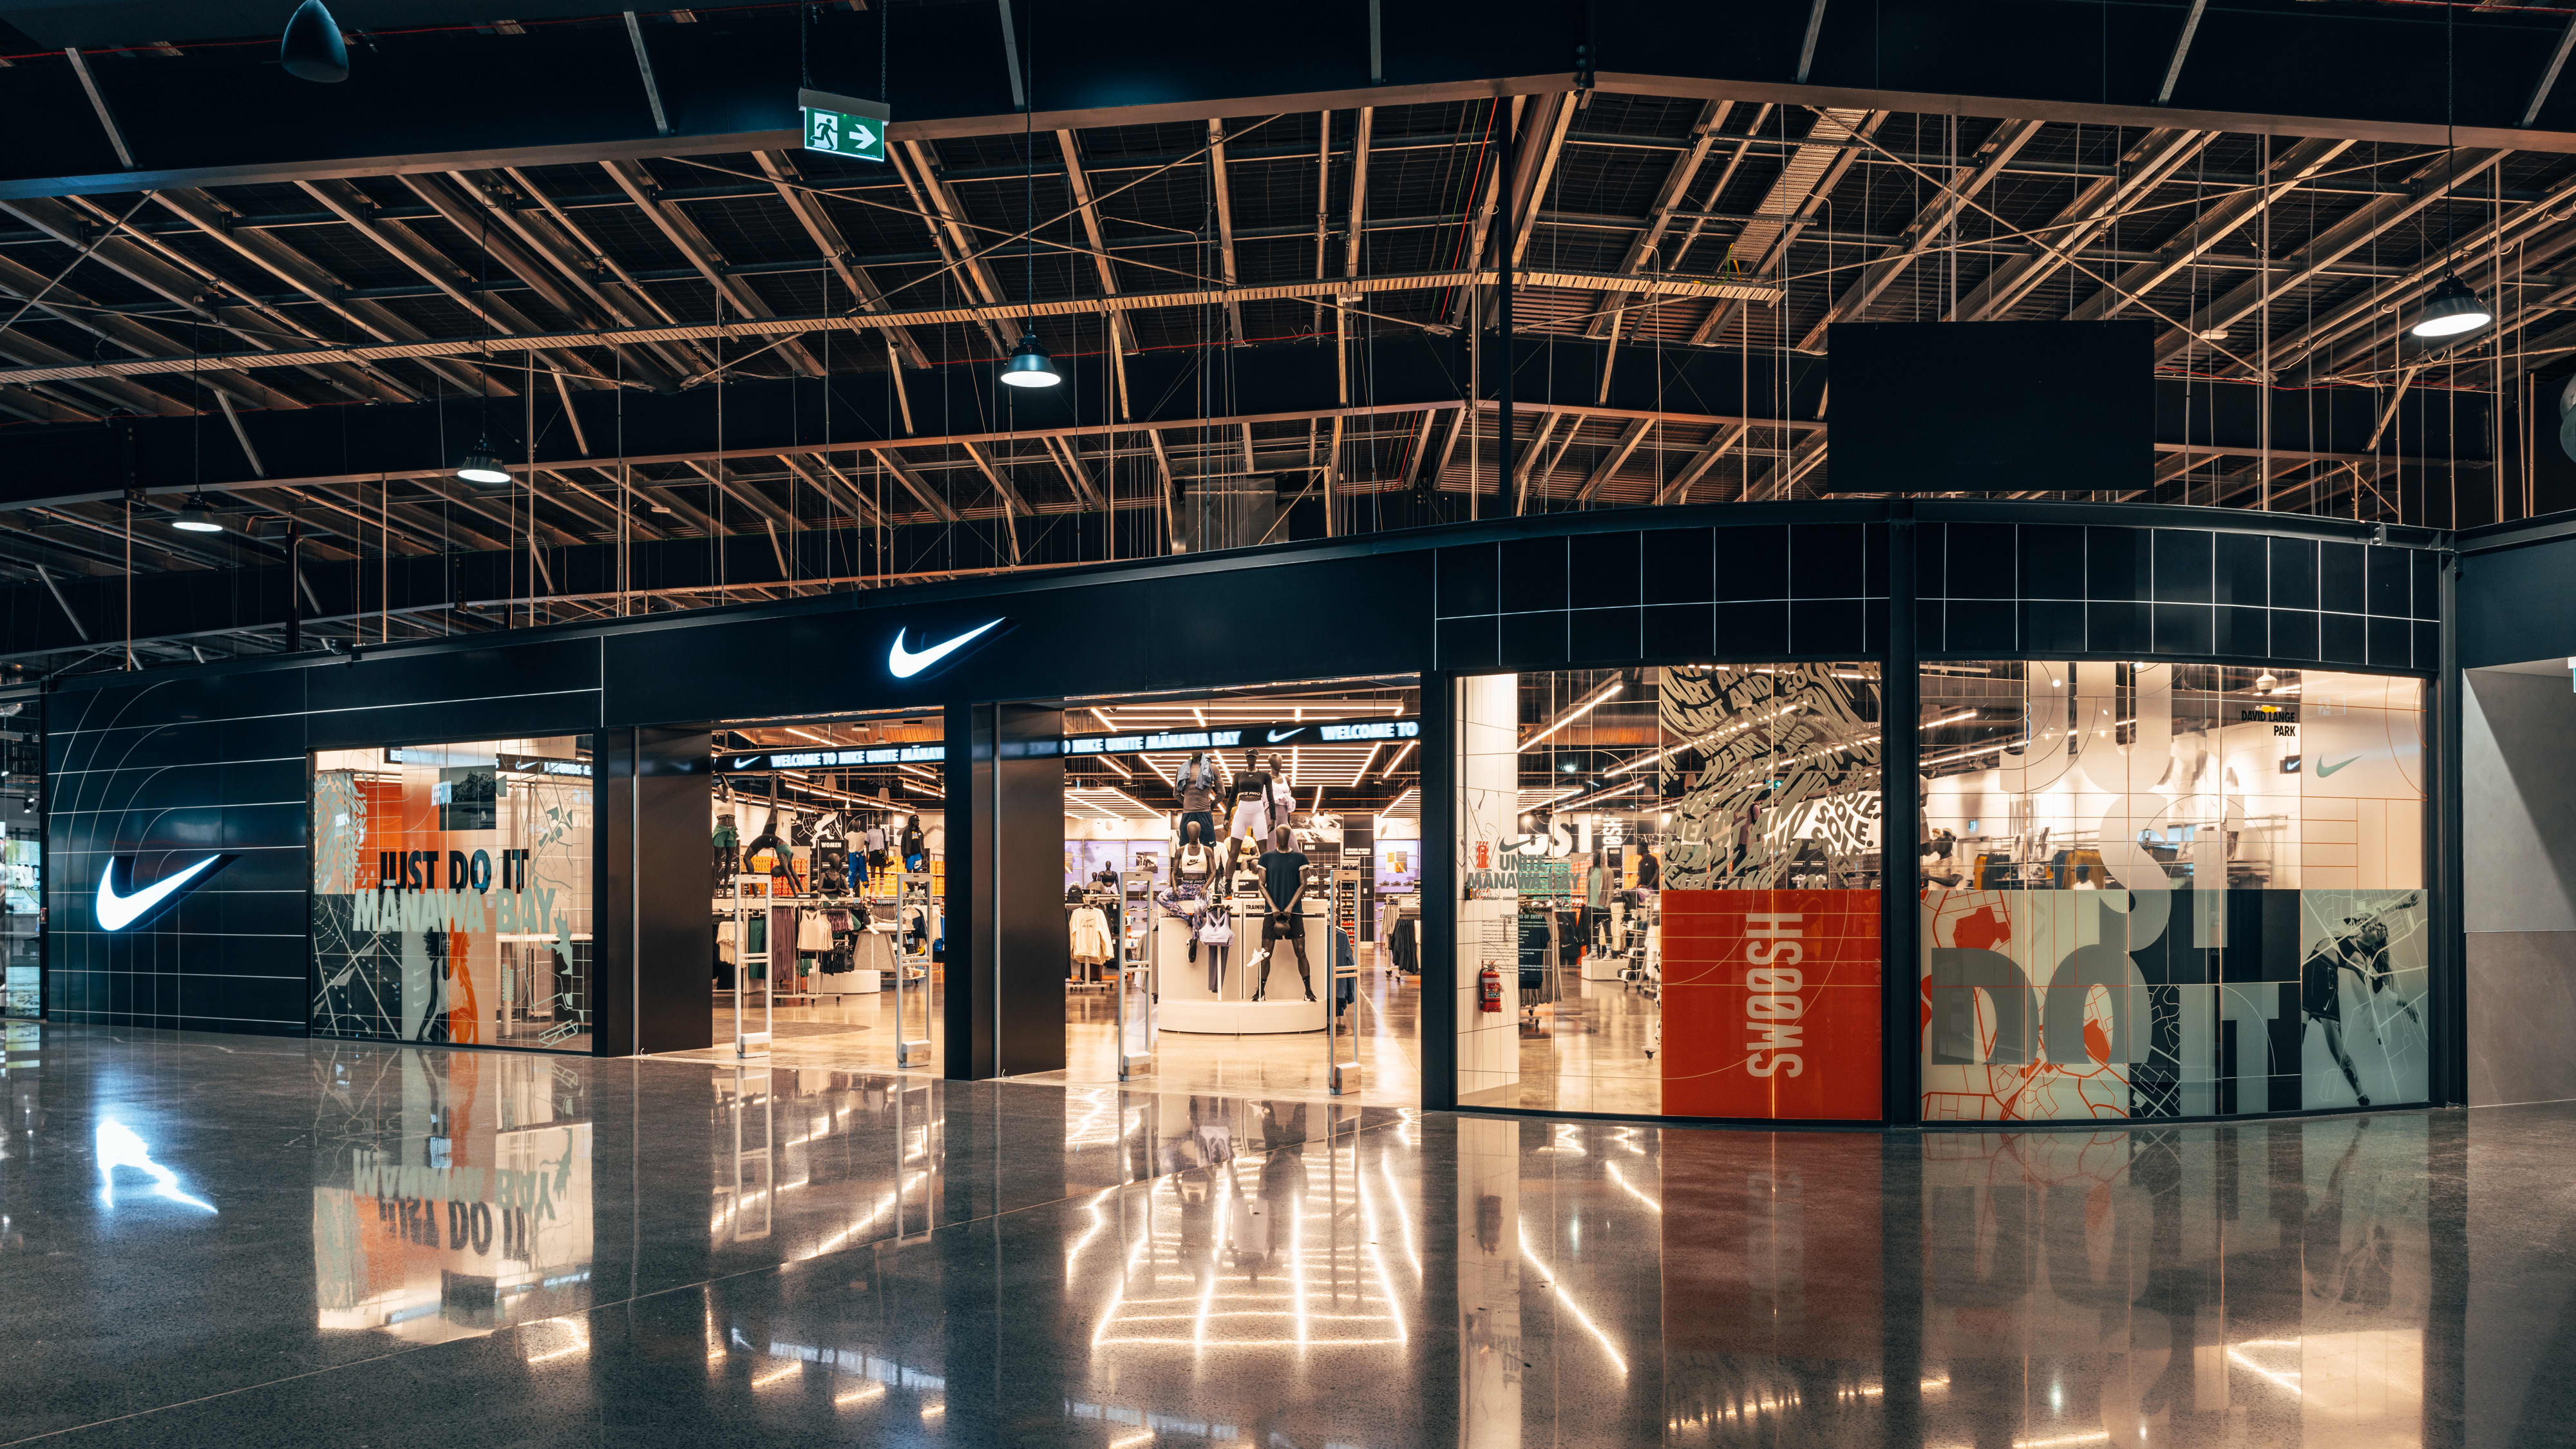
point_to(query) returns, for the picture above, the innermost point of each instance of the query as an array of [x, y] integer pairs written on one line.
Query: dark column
[[1006, 984], [652, 988], [1900, 810], [612, 893], [966, 1025], [2447, 1000], [1439, 785]]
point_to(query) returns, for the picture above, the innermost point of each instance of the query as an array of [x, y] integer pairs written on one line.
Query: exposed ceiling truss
[[520, 301]]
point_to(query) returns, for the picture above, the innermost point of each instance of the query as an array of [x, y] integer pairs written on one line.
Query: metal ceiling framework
[[1169, 257]]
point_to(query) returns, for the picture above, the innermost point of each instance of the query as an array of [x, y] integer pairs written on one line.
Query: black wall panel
[[165, 767], [163, 770]]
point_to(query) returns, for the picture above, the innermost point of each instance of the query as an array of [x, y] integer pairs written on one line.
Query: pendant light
[[483, 466], [1030, 366], [194, 517], [312, 48], [2453, 310]]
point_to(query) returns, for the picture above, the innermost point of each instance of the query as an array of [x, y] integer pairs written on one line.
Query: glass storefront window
[[1673, 875], [2152, 890], [452, 893], [22, 786]]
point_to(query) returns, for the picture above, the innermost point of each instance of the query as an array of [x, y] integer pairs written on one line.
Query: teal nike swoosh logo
[[904, 663], [116, 912], [2325, 768]]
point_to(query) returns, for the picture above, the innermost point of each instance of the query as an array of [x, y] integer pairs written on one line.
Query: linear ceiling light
[[1576, 713]]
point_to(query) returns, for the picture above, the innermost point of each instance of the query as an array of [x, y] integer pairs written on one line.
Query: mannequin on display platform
[[916, 853], [1195, 862], [1251, 801], [1283, 889], [1198, 785]]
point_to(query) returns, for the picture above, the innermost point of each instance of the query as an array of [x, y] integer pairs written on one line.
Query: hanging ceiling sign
[[1279, 734], [844, 125]]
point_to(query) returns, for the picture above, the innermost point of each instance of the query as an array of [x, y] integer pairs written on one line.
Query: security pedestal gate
[[1132, 997], [750, 1043], [912, 965], [1341, 1041]]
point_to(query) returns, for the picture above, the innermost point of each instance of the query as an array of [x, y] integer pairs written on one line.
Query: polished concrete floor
[[230, 1240]]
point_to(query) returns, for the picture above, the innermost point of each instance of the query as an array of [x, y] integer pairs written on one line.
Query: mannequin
[[728, 848], [1251, 801], [875, 843], [1283, 889], [916, 851], [1198, 792], [1195, 862], [1283, 796]]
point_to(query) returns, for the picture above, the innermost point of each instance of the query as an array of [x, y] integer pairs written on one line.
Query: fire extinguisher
[[1489, 988]]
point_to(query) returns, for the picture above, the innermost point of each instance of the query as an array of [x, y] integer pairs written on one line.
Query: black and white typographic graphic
[[1775, 781]]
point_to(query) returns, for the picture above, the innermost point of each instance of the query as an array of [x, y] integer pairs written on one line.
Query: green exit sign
[[843, 125]]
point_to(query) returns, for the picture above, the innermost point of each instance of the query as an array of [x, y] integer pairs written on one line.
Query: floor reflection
[[570, 1251], [452, 1193]]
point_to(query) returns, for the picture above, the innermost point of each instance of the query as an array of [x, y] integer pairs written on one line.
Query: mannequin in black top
[[1283, 888], [916, 856]]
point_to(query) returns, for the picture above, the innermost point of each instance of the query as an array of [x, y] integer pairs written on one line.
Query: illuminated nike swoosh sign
[[1277, 735], [904, 663], [116, 912], [2324, 768]]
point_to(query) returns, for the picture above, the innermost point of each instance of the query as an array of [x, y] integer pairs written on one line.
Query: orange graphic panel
[[1771, 1004]]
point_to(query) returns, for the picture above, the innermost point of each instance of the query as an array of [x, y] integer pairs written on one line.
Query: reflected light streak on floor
[[531, 1244]]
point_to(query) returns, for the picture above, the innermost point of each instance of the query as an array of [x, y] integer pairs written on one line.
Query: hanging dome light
[[1029, 365], [483, 466], [2265, 682], [194, 517], [2452, 311], [312, 48]]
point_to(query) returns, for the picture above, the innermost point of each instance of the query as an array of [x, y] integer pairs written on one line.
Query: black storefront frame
[[644, 718]]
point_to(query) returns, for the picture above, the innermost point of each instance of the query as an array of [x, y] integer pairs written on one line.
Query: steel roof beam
[[2148, 164], [694, 248], [807, 207], [946, 221], [2223, 218], [552, 254], [1965, 183], [1318, 292], [1614, 460], [354, 207], [1647, 246], [2429, 184], [1227, 272], [157, 267], [302, 273]]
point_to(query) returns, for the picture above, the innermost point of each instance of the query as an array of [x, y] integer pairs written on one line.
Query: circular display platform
[[1243, 1018]]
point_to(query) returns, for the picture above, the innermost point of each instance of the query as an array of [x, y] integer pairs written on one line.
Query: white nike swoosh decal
[[1277, 735], [904, 663], [116, 912]]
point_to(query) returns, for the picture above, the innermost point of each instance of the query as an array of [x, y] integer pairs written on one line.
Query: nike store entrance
[[1242, 891], [827, 901]]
